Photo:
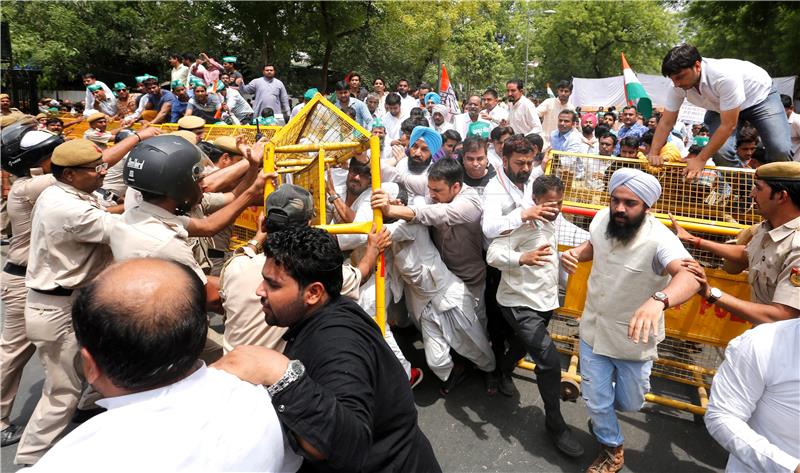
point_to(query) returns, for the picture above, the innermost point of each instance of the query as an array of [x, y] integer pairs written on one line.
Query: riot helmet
[[25, 147]]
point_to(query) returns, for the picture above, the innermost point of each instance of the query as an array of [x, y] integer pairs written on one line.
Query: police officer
[[69, 247], [772, 255], [23, 148], [166, 170]]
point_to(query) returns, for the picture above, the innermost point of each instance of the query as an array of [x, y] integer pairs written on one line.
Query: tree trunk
[[325, 61]]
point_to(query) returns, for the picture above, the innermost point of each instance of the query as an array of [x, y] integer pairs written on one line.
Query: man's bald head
[[143, 321]]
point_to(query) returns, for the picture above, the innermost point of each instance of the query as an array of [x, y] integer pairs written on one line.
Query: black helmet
[[166, 165], [24, 146], [122, 134]]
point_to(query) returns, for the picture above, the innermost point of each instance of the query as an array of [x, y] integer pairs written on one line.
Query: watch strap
[[294, 371]]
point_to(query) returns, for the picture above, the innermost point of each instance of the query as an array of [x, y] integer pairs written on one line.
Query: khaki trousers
[[48, 322], [15, 348]]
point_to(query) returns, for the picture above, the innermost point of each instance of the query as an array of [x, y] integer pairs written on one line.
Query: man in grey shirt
[[269, 92]]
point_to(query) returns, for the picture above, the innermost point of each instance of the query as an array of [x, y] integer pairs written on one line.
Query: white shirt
[[725, 84], [180, 73], [754, 410], [495, 116], [392, 125], [209, 421], [503, 203], [794, 126], [523, 117], [549, 110], [407, 103], [89, 100]]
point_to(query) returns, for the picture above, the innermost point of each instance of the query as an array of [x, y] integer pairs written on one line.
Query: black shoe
[[492, 382], [82, 415], [565, 442], [457, 375], [506, 386], [11, 434], [591, 427]]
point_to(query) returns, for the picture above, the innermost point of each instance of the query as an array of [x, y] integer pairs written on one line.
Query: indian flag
[[447, 93], [634, 91]]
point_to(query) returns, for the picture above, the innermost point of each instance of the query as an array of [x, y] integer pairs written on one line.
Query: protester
[[269, 92], [550, 108], [522, 114]]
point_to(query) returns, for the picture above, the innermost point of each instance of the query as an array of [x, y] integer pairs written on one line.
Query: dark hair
[[498, 132], [570, 112], [472, 143], [211, 151], [694, 149], [491, 92], [407, 126], [355, 74], [520, 85], [535, 139], [89, 75], [424, 85], [393, 99], [544, 184], [608, 134], [416, 112], [627, 107], [786, 101], [647, 138], [340, 85], [703, 129], [447, 170], [52, 120], [629, 141], [791, 187], [564, 84], [760, 155], [451, 135], [139, 351], [678, 58], [746, 134], [601, 129], [362, 169], [149, 81], [267, 112], [350, 111], [56, 170], [403, 80], [380, 79], [516, 144], [268, 64], [308, 255], [176, 56], [189, 57]]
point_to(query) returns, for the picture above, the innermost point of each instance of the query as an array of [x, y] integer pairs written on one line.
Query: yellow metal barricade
[[716, 207]]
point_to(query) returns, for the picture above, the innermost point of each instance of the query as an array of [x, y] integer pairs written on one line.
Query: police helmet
[[25, 147], [166, 165]]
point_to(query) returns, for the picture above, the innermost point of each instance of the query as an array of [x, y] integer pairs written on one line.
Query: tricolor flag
[[634, 91], [550, 92], [447, 93]]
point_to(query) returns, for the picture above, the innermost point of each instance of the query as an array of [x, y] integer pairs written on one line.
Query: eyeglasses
[[98, 168]]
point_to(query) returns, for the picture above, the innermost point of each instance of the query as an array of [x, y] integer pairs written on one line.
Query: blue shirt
[[158, 102], [363, 117], [178, 109], [569, 141], [635, 130]]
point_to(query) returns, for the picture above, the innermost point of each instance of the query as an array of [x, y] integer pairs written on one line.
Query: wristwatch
[[661, 297], [294, 372], [332, 198], [714, 296], [255, 244]]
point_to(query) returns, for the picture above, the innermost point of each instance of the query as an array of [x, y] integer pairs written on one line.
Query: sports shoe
[[609, 460], [11, 434], [416, 377], [506, 386]]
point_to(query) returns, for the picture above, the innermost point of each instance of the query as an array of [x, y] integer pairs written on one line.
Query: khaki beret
[[191, 122], [186, 135], [228, 145], [41, 115], [95, 116], [76, 153], [4, 96], [782, 171]]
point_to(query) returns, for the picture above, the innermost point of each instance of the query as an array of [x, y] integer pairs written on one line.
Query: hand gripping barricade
[[321, 135], [715, 207]]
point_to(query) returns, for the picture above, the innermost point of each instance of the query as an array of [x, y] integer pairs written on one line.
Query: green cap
[[701, 140], [230, 59], [140, 79], [194, 82], [478, 128], [94, 87], [310, 93], [120, 86], [378, 123], [176, 83], [219, 85]]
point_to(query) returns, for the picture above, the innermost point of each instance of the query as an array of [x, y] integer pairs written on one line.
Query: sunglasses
[[98, 168]]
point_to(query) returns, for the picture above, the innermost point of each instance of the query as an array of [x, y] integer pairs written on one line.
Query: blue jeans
[[769, 118], [608, 384]]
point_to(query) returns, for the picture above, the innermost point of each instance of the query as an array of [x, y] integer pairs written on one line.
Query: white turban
[[439, 108], [644, 185]]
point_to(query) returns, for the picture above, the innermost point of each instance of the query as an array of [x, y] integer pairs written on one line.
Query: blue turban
[[644, 185], [431, 137], [432, 96]]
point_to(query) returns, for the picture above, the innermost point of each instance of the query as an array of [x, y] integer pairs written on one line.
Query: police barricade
[[715, 207]]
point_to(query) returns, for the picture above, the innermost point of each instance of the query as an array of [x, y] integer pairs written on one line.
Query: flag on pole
[[634, 91], [447, 93], [550, 92]]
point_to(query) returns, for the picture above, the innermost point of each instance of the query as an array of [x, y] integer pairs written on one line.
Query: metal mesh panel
[[308, 178]]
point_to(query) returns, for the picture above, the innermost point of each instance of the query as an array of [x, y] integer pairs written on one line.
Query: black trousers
[[500, 333], [531, 335]]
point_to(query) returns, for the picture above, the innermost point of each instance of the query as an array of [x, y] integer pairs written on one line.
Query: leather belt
[[59, 291], [15, 269]]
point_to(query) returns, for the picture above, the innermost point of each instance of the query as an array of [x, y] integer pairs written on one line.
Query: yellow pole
[[377, 218], [269, 166], [323, 218]]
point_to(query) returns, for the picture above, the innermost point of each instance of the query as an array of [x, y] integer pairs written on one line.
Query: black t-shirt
[[479, 184], [354, 403]]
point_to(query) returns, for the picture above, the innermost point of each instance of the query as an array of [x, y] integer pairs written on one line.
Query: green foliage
[[765, 33]]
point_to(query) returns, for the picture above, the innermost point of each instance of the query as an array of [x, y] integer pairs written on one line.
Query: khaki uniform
[[15, 348], [69, 237], [211, 202], [244, 319], [774, 256]]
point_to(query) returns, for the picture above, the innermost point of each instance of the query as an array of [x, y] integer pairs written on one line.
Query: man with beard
[[637, 273], [522, 114], [337, 388], [412, 172], [629, 127], [527, 296], [471, 115], [180, 102], [566, 138], [590, 142]]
